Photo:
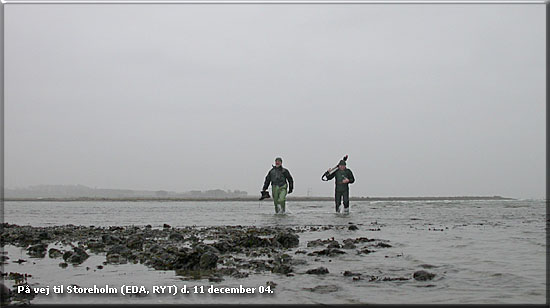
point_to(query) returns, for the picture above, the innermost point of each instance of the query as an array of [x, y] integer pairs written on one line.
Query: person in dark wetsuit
[[278, 177], [342, 178]]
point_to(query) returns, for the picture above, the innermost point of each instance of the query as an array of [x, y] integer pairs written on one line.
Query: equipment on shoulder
[[332, 170], [265, 195]]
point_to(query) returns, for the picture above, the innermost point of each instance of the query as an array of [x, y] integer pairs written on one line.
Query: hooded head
[[342, 165], [278, 161]]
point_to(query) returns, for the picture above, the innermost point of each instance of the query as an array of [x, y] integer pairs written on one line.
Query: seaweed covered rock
[[95, 245], [54, 253], [109, 239], [318, 271], [383, 245], [423, 275], [37, 251], [282, 264], [77, 256], [208, 260], [223, 246], [120, 250], [329, 252], [287, 239], [350, 273], [176, 236], [135, 241], [251, 241]]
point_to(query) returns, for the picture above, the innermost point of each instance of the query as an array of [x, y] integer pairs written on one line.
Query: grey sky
[[427, 100]]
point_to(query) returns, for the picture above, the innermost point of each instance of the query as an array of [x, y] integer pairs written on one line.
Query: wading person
[[342, 178], [278, 177]]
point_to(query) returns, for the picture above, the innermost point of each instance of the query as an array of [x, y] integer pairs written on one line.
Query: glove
[[265, 194], [290, 191]]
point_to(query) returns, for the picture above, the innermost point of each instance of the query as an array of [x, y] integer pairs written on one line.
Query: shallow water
[[490, 252]]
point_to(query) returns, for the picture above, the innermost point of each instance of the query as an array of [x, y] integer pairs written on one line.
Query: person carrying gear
[[343, 177], [278, 177]]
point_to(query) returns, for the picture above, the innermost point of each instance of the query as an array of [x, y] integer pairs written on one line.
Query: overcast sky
[[427, 100]]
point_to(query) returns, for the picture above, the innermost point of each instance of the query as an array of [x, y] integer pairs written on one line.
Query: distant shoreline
[[141, 199]]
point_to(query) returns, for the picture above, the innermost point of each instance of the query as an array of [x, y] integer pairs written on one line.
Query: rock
[[270, 284], [77, 257], [202, 248], [108, 239], [333, 244], [175, 236], [120, 250], [252, 241], [365, 251], [215, 279], [99, 267], [281, 269], [300, 252], [223, 246], [423, 275], [362, 240], [353, 228], [318, 271], [330, 252], [287, 239], [208, 260], [63, 265], [37, 251], [323, 289], [114, 258], [315, 243], [54, 253], [166, 226], [350, 273], [383, 245], [395, 278], [95, 246], [155, 248], [299, 262], [349, 246], [135, 241], [67, 254]]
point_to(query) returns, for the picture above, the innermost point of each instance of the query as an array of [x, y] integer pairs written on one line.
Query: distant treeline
[[81, 191], [84, 193]]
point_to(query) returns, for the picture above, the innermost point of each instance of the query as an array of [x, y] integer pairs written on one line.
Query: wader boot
[[338, 196], [279, 198]]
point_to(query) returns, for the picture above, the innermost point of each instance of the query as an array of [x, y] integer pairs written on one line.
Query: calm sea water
[[490, 252]]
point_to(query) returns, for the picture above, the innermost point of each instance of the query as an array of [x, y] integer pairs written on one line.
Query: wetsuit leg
[[338, 200], [346, 199]]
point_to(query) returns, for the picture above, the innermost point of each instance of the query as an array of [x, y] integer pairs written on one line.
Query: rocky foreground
[[192, 252]]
